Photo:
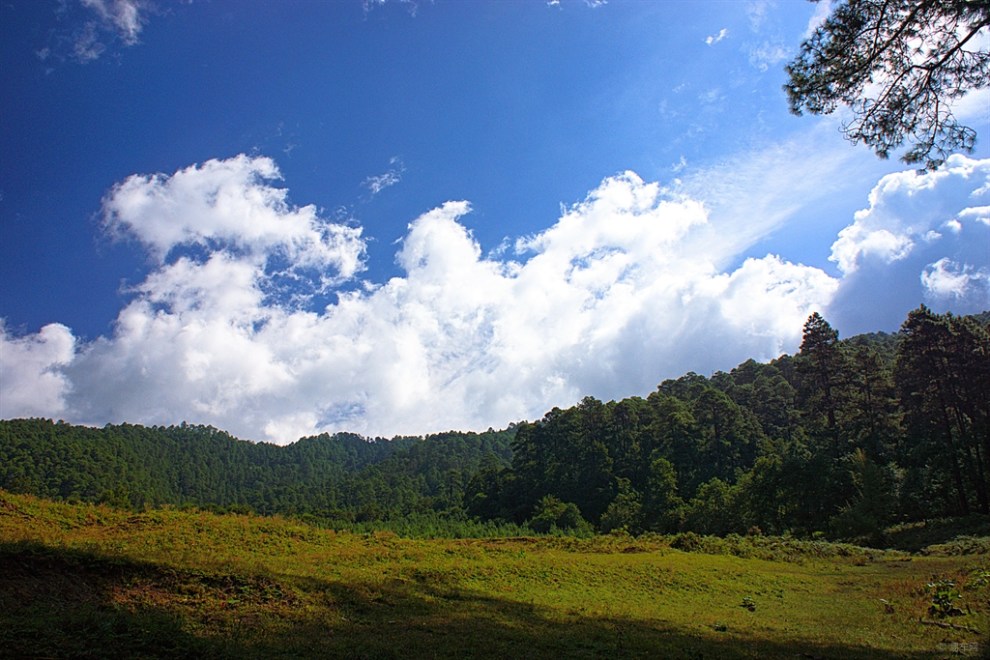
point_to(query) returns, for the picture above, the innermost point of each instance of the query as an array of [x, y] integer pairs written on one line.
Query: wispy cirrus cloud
[[591, 4], [377, 183], [88, 29], [124, 17], [411, 6], [767, 54]]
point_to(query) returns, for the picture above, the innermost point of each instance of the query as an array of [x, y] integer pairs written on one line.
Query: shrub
[[551, 515]]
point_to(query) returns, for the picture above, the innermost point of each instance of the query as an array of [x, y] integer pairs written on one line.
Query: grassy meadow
[[91, 581]]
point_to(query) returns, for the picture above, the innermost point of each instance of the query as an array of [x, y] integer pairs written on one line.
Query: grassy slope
[[91, 581]]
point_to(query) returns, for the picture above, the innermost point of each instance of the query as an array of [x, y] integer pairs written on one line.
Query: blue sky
[[408, 217]]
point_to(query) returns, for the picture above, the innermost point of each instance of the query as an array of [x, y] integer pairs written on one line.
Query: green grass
[[88, 581]]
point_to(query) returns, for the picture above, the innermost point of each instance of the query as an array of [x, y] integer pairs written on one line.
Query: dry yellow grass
[[84, 580]]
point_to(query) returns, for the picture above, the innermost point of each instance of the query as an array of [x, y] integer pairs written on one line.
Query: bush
[[552, 515]]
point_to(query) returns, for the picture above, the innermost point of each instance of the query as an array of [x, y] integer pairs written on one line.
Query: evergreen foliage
[[340, 478], [899, 66]]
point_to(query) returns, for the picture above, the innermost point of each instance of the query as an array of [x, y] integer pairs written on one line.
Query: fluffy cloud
[[908, 209], [230, 206], [32, 384], [930, 228], [608, 300], [627, 287], [715, 38], [947, 279]]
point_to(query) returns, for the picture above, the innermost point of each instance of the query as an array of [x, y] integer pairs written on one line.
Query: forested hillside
[[340, 476], [845, 438]]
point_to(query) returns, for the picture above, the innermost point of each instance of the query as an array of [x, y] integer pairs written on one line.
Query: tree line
[[341, 477], [842, 438]]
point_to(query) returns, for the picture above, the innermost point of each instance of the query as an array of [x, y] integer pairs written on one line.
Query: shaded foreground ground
[[86, 581]]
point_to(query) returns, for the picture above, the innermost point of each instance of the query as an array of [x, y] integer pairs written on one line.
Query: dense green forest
[[843, 438], [341, 477]]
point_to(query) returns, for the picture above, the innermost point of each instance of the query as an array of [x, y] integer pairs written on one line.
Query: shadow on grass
[[914, 537], [70, 603], [58, 603]]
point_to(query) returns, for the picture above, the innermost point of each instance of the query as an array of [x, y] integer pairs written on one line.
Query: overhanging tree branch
[[915, 53]]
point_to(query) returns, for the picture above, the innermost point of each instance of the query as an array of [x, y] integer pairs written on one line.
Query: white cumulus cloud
[[909, 207], [31, 383], [615, 295], [947, 279], [929, 229], [631, 285], [230, 205]]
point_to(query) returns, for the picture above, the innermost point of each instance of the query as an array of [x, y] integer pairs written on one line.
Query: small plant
[[944, 594], [981, 578]]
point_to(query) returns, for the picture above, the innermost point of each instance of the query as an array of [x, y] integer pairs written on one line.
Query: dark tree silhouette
[[899, 65]]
